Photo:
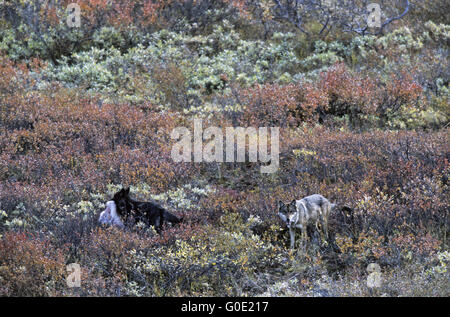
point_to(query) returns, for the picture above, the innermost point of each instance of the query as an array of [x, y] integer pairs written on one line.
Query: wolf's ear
[[280, 203], [293, 202], [127, 191]]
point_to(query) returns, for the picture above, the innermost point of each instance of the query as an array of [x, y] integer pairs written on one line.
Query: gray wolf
[[149, 213], [299, 213]]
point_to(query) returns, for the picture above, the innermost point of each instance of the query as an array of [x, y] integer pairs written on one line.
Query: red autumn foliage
[[28, 267]]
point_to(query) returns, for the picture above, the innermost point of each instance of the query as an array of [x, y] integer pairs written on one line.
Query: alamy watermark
[[374, 18], [374, 278], [73, 15], [213, 150], [373, 11], [74, 277]]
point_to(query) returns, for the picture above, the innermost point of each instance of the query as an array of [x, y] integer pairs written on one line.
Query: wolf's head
[[288, 213], [121, 199]]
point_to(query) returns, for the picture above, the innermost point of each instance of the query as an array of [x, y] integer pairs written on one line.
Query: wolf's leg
[[325, 226], [304, 233], [292, 234], [317, 226], [319, 231], [325, 219], [158, 225]]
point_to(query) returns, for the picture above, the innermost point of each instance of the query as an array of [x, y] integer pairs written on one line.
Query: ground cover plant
[[363, 117]]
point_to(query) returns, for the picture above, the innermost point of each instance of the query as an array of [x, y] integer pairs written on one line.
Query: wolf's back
[[316, 199]]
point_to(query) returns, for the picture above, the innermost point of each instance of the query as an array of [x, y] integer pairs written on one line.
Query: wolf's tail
[[348, 214], [346, 211], [171, 218], [342, 207], [347, 208]]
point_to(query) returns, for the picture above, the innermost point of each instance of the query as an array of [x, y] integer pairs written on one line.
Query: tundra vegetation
[[363, 117]]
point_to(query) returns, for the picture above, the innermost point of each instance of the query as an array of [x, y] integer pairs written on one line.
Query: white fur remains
[[109, 216]]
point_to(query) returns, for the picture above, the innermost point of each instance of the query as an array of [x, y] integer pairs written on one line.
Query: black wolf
[[149, 213]]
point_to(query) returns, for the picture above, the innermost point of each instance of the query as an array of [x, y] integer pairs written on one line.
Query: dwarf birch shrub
[[211, 261]]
